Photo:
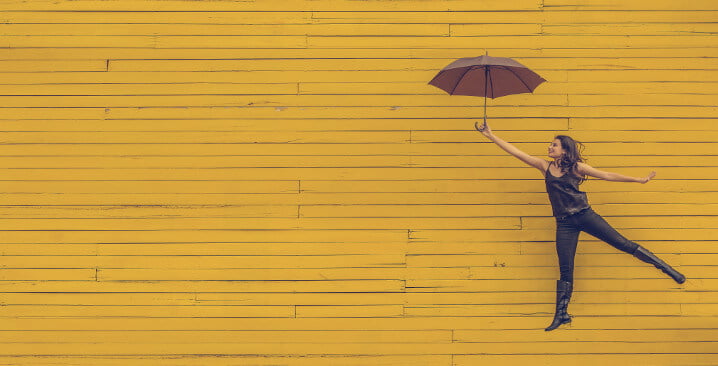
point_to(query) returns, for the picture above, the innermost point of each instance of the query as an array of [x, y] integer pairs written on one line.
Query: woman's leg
[[595, 225], [566, 241]]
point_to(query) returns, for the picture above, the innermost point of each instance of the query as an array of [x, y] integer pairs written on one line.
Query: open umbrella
[[486, 76]]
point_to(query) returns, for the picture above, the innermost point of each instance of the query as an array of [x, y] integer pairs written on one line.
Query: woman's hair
[[571, 157]]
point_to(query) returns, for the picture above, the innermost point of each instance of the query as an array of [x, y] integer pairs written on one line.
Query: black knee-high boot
[[564, 290], [648, 257]]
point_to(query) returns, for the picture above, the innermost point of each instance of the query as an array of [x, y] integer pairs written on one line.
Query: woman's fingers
[[649, 177]]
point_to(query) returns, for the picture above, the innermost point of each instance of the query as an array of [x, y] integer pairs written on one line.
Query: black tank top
[[564, 195]]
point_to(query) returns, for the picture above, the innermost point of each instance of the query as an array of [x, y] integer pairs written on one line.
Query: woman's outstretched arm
[[533, 161], [586, 169]]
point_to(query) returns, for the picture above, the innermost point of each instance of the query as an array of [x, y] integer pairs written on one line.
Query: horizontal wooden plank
[[61, 274], [630, 5], [354, 348], [624, 222], [149, 89], [153, 187], [325, 311], [134, 211], [274, 100], [299, 336], [417, 323], [212, 286], [399, 64], [655, 335], [654, 99], [305, 199], [339, 311], [75, 137], [586, 136], [215, 29], [486, 159], [231, 298], [129, 53], [178, 247], [217, 236], [186, 248], [147, 311], [608, 15], [543, 295], [608, 138], [60, 113], [504, 186], [406, 173], [250, 6], [657, 359], [536, 102], [437, 111], [543, 311], [541, 41], [438, 286], [673, 28], [588, 244], [150, 41], [319, 125], [191, 360], [207, 262], [637, 271], [637, 124], [480, 148], [429, 190], [279, 274], [55, 66], [676, 89], [549, 235], [239, 223], [388, 173], [573, 88], [157, 16], [560, 75], [498, 210], [546, 258]]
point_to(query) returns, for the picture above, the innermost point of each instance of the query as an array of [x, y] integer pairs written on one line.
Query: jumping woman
[[573, 213]]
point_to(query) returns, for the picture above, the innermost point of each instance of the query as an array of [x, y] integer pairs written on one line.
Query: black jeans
[[568, 229]]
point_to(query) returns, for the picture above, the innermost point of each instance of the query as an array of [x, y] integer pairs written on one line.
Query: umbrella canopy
[[486, 76]]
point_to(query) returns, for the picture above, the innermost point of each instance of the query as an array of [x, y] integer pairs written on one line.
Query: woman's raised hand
[[648, 178], [484, 129]]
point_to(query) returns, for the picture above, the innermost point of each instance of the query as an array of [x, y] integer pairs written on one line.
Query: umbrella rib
[[460, 79], [521, 80]]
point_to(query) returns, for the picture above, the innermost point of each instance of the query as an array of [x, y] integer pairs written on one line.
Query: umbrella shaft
[[486, 88]]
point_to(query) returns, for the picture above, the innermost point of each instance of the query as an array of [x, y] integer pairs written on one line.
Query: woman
[[573, 213]]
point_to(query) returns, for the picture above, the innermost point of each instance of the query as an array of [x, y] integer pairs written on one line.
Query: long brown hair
[[568, 162]]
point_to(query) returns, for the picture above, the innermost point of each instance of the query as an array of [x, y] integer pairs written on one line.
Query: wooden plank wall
[[274, 183]]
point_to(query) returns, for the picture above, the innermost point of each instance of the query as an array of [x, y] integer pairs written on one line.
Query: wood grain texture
[[261, 182]]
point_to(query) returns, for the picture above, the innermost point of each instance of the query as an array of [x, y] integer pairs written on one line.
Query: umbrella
[[486, 76]]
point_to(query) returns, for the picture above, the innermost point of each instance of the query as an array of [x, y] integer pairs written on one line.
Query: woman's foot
[[648, 257], [564, 289]]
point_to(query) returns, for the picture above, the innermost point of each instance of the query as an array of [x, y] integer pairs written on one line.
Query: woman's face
[[555, 150]]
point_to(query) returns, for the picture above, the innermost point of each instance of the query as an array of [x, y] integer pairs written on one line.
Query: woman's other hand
[[648, 178]]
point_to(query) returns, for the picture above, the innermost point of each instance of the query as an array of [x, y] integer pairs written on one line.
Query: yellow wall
[[274, 183]]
